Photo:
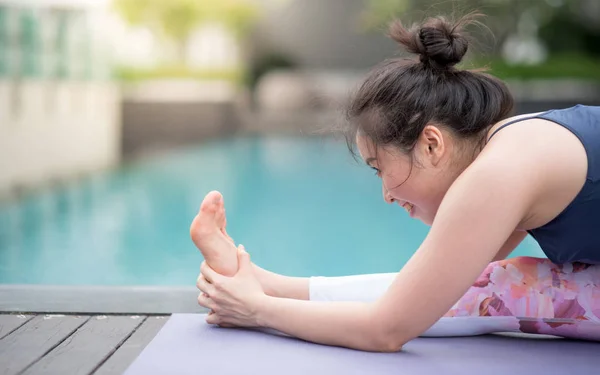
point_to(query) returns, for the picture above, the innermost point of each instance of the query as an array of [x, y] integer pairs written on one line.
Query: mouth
[[409, 207]]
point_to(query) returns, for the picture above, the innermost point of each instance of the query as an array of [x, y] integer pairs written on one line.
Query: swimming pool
[[301, 206]]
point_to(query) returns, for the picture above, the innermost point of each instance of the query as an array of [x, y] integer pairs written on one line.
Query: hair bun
[[437, 41]]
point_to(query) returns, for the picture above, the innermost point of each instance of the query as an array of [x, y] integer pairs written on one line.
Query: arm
[[346, 324], [478, 215], [476, 218], [510, 245]]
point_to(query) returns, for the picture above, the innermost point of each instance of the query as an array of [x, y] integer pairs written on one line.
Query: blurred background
[[118, 116]]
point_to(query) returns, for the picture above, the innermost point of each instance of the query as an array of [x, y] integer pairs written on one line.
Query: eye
[[377, 171]]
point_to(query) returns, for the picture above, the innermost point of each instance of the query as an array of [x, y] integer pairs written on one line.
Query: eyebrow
[[369, 160]]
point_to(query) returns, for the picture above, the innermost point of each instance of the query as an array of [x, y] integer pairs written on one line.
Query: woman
[[441, 141]]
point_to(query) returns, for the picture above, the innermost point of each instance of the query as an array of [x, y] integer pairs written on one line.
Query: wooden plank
[[10, 322], [98, 299], [35, 338], [88, 347], [128, 352]]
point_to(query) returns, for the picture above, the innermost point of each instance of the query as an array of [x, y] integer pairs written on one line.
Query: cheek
[[395, 181], [412, 191], [390, 184], [428, 200], [400, 189], [406, 184]]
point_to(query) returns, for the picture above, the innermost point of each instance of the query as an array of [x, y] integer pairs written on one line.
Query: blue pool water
[[301, 206]]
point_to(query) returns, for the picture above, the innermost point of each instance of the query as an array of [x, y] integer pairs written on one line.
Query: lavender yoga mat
[[187, 345]]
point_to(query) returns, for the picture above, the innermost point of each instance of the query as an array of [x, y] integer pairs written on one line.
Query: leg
[[541, 297], [281, 286], [535, 288], [362, 288], [520, 294]]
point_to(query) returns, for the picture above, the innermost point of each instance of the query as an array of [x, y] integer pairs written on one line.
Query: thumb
[[243, 259]]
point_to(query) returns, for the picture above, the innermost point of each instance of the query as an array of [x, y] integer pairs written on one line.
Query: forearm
[[276, 285], [345, 324]]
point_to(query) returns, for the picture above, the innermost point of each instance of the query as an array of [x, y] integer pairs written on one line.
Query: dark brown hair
[[400, 96]]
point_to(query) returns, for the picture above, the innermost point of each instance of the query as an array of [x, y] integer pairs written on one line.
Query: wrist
[[263, 309]]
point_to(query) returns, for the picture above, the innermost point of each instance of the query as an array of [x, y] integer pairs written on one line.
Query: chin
[[425, 219]]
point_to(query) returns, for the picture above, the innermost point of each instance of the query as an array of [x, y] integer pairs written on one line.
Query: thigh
[[533, 288]]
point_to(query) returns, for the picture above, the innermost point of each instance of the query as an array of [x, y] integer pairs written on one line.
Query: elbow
[[389, 345], [387, 337], [387, 333]]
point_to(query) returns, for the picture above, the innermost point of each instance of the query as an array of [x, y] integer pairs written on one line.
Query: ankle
[[268, 281], [280, 286]]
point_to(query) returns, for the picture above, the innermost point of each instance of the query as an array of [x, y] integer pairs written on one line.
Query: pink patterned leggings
[[546, 298], [521, 294]]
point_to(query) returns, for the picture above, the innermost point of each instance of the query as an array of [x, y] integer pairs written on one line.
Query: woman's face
[[418, 184]]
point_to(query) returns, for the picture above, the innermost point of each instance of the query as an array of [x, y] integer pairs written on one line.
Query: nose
[[386, 195]]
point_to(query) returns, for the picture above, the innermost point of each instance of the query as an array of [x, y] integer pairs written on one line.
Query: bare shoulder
[[537, 142], [513, 118], [549, 157]]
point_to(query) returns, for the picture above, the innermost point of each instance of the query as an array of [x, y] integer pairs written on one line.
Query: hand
[[233, 301]]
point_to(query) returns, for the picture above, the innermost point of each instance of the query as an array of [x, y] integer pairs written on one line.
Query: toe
[[216, 197], [205, 224], [220, 217], [211, 202]]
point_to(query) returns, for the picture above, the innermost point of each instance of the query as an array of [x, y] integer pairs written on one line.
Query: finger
[[203, 267], [204, 286], [217, 320], [213, 319], [206, 301], [210, 275]]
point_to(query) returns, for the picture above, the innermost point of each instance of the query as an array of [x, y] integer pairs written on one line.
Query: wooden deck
[[73, 344]]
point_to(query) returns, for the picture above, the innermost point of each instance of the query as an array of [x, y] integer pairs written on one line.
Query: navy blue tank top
[[574, 235]]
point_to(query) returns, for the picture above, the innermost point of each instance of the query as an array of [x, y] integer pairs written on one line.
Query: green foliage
[[379, 12], [131, 74], [572, 41], [560, 20], [565, 33], [177, 19], [237, 15], [564, 66]]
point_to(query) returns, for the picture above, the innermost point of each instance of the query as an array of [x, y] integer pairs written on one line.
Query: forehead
[[370, 152], [366, 147]]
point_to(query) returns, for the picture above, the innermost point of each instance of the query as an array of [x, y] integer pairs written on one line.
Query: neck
[[470, 150]]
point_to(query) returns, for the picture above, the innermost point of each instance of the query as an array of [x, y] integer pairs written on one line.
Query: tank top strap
[[513, 122]]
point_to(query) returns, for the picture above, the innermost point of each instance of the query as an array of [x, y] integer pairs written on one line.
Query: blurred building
[[58, 105]]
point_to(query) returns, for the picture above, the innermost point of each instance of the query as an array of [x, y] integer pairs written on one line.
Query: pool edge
[[99, 299]]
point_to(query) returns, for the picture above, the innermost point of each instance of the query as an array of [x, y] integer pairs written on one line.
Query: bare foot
[[209, 235]]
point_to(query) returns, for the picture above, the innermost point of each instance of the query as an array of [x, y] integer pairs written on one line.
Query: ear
[[433, 141]]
